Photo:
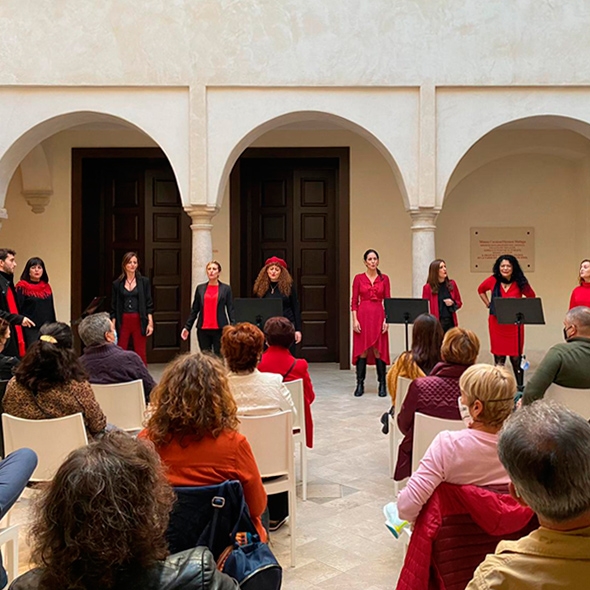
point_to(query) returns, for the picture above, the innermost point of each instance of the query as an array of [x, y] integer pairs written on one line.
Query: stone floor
[[341, 540]]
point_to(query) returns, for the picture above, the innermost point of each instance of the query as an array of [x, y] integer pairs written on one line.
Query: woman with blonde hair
[[469, 456], [581, 294], [194, 425]]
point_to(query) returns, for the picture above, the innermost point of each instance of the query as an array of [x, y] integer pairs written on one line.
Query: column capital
[[424, 219], [201, 215]]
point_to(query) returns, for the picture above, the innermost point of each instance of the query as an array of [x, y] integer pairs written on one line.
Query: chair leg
[[292, 525], [392, 446], [303, 471]]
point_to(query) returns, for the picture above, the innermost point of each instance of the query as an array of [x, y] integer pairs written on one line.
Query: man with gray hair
[[545, 449], [566, 364], [104, 360]]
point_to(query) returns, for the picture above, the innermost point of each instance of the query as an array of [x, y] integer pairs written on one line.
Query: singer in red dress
[[507, 280], [370, 342], [581, 294]]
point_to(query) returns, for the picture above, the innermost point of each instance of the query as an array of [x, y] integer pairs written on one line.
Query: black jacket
[[146, 305], [193, 569], [11, 348], [225, 303]]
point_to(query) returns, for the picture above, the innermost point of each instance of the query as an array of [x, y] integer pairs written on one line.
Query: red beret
[[276, 260]]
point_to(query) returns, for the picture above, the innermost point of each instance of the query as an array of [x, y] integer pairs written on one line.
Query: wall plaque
[[487, 243]]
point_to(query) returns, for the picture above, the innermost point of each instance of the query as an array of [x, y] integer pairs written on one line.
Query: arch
[[308, 116], [30, 139]]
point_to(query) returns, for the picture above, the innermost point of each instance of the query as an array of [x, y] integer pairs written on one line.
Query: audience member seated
[[255, 393], [280, 335], [427, 337], [105, 361], [101, 524], [50, 382], [545, 448], [193, 426], [467, 456], [437, 394], [7, 363], [15, 472], [566, 363]]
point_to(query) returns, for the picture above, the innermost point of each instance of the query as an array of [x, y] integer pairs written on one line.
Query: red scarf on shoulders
[[41, 290]]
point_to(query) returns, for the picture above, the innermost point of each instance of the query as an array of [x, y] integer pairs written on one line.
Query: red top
[[580, 296], [210, 308], [277, 359], [210, 461]]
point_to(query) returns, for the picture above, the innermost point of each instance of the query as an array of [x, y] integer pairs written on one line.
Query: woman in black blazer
[[132, 306], [214, 306]]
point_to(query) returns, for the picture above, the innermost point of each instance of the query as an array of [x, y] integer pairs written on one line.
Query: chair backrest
[[122, 403], [403, 384], [53, 440], [577, 400], [425, 429], [271, 439], [296, 390]]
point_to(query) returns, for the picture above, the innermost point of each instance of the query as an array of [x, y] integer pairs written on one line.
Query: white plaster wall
[[546, 192], [48, 234]]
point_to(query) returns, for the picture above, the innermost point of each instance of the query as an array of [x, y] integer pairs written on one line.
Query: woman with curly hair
[[50, 382], [101, 524], [275, 282], [507, 280], [193, 426]]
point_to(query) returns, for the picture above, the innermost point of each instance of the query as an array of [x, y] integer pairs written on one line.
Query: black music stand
[[256, 311], [93, 307], [519, 311], [404, 311]]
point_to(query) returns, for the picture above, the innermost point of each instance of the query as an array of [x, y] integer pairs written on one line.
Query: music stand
[[256, 311], [92, 307], [404, 311], [519, 311]]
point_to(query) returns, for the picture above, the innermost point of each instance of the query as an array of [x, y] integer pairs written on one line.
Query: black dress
[[290, 304], [35, 301]]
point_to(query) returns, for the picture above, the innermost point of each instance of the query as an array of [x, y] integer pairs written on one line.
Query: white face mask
[[465, 415]]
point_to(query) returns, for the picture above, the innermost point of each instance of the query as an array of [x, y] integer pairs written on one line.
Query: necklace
[[130, 283], [273, 289]]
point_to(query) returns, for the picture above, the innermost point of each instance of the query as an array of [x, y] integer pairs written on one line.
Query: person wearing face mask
[[213, 309], [468, 456], [442, 294], [507, 280], [567, 363], [581, 294]]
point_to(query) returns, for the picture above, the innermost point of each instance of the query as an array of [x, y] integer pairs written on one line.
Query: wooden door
[[288, 210], [132, 204]]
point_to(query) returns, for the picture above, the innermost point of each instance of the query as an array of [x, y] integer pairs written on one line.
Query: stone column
[[201, 226], [423, 250]]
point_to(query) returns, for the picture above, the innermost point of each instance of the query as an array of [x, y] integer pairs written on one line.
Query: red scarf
[[12, 308], [41, 290]]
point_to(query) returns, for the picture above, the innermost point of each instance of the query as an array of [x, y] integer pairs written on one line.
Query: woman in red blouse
[[507, 280], [581, 294], [370, 344], [214, 306]]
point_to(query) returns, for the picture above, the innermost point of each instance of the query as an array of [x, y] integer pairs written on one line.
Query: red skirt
[[370, 315], [504, 338]]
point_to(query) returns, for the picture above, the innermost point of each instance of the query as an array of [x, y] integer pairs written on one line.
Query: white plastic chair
[[299, 431], [395, 435], [577, 400], [425, 430], [122, 403], [271, 439], [9, 537], [53, 440]]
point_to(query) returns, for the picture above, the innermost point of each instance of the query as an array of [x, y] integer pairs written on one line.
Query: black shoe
[[275, 525], [385, 422], [361, 371], [381, 377]]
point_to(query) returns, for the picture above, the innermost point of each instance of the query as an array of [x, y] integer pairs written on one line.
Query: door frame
[[342, 154]]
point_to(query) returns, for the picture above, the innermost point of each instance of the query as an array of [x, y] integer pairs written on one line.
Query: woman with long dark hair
[[132, 306], [443, 295], [275, 282], [34, 298], [507, 280], [581, 294], [370, 344], [101, 523], [213, 308]]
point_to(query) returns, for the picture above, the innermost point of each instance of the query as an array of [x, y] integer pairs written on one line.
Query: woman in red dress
[[370, 344], [507, 280], [581, 294]]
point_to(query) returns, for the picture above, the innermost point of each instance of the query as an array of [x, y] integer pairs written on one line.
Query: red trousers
[[131, 329]]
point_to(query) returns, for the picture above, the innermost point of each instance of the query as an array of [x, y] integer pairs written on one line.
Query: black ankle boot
[[361, 371], [381, 366]]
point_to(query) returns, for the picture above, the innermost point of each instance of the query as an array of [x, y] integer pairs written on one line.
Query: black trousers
[[447, 323], [210, 341]]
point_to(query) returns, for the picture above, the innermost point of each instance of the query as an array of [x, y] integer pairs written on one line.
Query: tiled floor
[[341, 540]]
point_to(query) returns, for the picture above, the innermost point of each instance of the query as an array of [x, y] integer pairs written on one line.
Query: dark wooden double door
[[129, 203], [288, 208]]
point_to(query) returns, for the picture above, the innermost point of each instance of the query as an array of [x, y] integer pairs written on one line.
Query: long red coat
[[432, 298], [277, 359]]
